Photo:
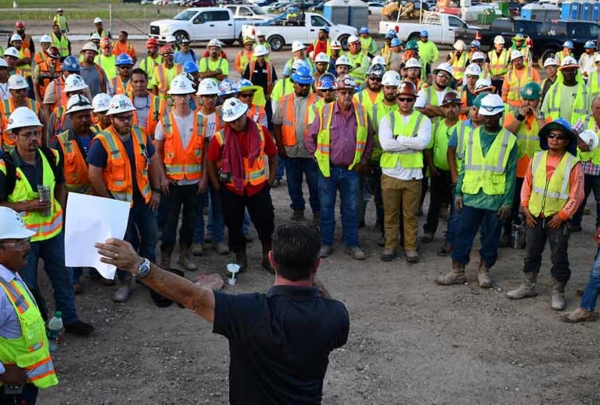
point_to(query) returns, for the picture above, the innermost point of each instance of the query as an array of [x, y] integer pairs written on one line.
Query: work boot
[[165, 257], [388, 255], [208, 238], [266, 263], [579, 315], [381, 241], [221, 248], [505, 241], [525, 290], [298, 215], [427, 237], [197, 249], [125, 289], [241, 259], [356, 253], [412, 256], [456, 275], [185, 258], [316, 218], [558, 295], [325, 251], [483, 276], [445, 250]]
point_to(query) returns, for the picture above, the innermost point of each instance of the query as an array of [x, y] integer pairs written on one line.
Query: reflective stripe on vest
[[528, 139], [459, 65], [74, 165], [288, 127], [409, 158], [267, 68], [516, 84], [499, 64], [183, 163], [580, 105], [550, 196]]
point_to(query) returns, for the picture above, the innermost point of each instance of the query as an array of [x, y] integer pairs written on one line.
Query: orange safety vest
[[74, 166], [46, 76], [60, 93], [7, 107], [120, 88], [39, 57], [267, 67], [118, 48], [157, 110], [163, 82], [516, 84], [60, 116], [288, 127], [256, 113], [179, 163], [117, 173]]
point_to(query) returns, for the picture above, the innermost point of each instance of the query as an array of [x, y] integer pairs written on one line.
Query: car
[[277, 6], [375, 8], [200, 3]]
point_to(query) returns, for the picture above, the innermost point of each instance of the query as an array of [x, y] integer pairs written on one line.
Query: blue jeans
[[489, 225], [592, 183], [348, 182], [52, 251], [280, 168], [295, 168], [590, 295], [453, 220], [216, 225], [142, 229]]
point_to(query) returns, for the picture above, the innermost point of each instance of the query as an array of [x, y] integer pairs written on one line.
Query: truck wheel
[[180, 35], [344, 41], [276, 43], [228, 42], [545, 55]]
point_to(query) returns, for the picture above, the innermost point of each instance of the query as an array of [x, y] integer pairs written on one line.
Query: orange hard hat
[[151, 42]]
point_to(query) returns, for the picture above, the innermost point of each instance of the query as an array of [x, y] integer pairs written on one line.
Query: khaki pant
[[400, 195]]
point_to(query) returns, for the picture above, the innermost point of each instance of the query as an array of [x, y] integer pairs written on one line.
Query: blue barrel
[[585, 12]]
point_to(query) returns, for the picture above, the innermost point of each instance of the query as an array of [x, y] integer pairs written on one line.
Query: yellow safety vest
[[463, 131], [550, 196], [376, 113], [323, 137], [459, 65], [282, 88], [593, 156], [498, 64], [410, 159], [62, 44], [107, 63], [581, 106], [528, 139], [364, 99], [489, 172], [594, 84], [516, 84], [327, 47], [441, 136], [148, 65], [365, 45]]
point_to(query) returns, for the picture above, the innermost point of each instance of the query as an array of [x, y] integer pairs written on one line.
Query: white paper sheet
[[90, 220]]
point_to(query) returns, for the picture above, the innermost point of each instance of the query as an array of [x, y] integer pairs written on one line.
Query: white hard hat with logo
[[78, 103], [491, 104], [97, 20], [378, 60], [391, 78], [516, 55], [590, 138], [12, 225], [45, 39], [297, 46], [181, 85], [101, 102], [412, 63], [321, 58], [208, 87], [119, 104], [17, 82], [16, 37], [473, 69], [553, 62], [446, 67], [260, 50], [23, 117], [477, 56], [11, 51], [74, 82], [233, 109], [499, 39], [343, 61]]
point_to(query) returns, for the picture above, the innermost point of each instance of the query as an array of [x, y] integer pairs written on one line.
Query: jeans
[[453, 220], [215, 226], [490, 227], [515, 208], [441, 192], [27, 397], [347, 181], [142, 229], [188, 198], [559, 244], [52, 251], [372, 183], [590, 295], [280, 168], [296, 167], [592, 183]]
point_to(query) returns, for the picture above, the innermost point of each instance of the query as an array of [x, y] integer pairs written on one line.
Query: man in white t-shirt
[[430, 98], [180, 143]]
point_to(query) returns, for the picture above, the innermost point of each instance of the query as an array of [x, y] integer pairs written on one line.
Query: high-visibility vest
[[46, 76], [376, 113], [410, 159], [267, 68], [61, 20], [148, 65], [441, 135], [489, 172], [256, 113], [62, 44], [30, 351], [24, 70], [549, 196], [366, 44], [242, 60], [107, 63], [593, 156], [39, 57], [119, 49], [8, 106], [528, 140], [323, 137], [288, 126], [59, 121], [581, 105], [163, 76], [526, 51], [360, 63], [75, 168], [183, 163], [282, 88], [459, 65], [117, 173], [327, 48], [59, 91], [499, 64], [516, 84], [255, 173], [120, 88], [463, 130], [363, 98], [104, 34], [155, 113], [205, 63], [594, 84], [560, 56], [44, 227]]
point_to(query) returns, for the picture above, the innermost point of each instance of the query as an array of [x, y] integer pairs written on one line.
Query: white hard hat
[[477, 56], [569, 61], [353, 38], [16, 82], [96, 36], [412, 63], [297, 64], [590, 138], [491, 104], [473, 69], [378, 60], [89, 46], [119, 104], [101, 102], [391, 78], [322, 58], [297, 46], [171, 38], [208, 87], [233, 109], [483, 83], [553, 62], [11, 51], [212, 42], [181, 85], [23, 117], [343, 61], [459, 45], [335, 44], [516, 55], [12, 225], [78, 103], [3, 63], [446, 67], [45, 39], [16, 37], [499, 39], [74, 82], [260, 50], [97, 20]]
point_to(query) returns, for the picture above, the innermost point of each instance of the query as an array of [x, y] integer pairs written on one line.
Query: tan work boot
[[527, 289], [579, 315], [165, 257], [558, 295], [456, 275], [197, 249], [483, 276], [125, 289], [185, 258]]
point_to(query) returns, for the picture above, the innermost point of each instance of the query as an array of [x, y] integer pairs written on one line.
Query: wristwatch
[[541, 116], [143, 269]]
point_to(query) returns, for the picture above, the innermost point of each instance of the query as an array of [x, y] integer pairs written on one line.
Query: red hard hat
[[407, 88], [151, 42], [20, 24], [166, 49], [104, 42]]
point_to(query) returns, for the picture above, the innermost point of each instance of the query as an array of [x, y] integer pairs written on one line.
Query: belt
[[345, 167]]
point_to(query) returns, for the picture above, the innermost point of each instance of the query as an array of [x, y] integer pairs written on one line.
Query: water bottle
[[55, 327], [44, 196]]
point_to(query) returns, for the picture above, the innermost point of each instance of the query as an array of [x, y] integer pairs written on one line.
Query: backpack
[[11, 169]]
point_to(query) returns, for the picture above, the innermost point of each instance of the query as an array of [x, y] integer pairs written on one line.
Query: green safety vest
[[107, 63], [440, 135], [528, 139], [62, 44], [410, 159], [462, 131], [593, 156], [581, 106], [363, 98], [376, 113], [282, 88]]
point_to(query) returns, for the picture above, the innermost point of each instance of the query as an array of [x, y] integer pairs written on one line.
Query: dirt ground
[[411, 341]]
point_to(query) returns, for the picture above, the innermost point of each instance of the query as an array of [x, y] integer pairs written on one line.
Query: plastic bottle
[[55, 327]]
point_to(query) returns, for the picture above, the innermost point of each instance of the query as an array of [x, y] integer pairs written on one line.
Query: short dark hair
[[296, 250], [138, 71], [125, 33]]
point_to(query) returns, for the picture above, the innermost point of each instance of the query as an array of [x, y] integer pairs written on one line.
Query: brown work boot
[[456, 275], [579, 315], [298, 215], [527, 289], [185, 258], [165, 257], [558, 295], [483, 276]]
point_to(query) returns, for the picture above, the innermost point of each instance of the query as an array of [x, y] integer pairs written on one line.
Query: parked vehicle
[[506, 27], [375, 8], [200, 3], [249, 11]]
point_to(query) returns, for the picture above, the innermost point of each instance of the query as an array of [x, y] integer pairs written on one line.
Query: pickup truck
[[506, 27], [441, 28], [249, 11], [201, 25], [282, 31]]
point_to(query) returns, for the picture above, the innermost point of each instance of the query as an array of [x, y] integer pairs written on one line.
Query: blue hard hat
[[590, 45], [245, 85], [568, 44], [227, 87], [326, 82], [70, 64], [190, 67], [391, 34], [396, 42], [563, 125], [324, 29], [476, 43], [124, 59], [424, 33], [363, 30], [303, 75]]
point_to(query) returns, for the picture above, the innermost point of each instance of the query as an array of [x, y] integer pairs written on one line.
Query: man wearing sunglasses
[[431, 97], [121, 84], [552, 191]]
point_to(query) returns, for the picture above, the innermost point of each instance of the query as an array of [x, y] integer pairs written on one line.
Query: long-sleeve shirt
[[428, 51], [482, 200], [342, 137], [576, 186]]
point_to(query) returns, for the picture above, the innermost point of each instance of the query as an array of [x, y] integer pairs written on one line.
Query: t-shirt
[[92, 79], [186, 130], [180, 58], [421, 97], [211, 124], [142, 105], [279, 343]]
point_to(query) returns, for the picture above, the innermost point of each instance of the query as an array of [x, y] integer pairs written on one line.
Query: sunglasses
[[405, 99], [330, 90], [553, 135], [375, 78], [124, 118], [443, 76], [472, 77], [124, 67], [246, 95], [303, 85]]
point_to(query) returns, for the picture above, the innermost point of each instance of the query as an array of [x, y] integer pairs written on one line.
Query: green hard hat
[[412, 45], [480, 96], [531, 91]]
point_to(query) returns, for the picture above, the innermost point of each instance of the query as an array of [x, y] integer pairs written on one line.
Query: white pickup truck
[[304, 28], [201, 25], [439, 26], [249, 11]]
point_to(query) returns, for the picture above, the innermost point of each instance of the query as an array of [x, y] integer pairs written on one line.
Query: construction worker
[[321, 65], [239, 175], [151, 61], [478, 58], [60, 40], [321, 44], [246, 92], [458, 59], [368, 45], [336, 52], [185, 53], [45, 43], [474, 48], [262, 74], [413, 72], [299, 51], [343, 66], [291, 126], [244, 56], [104, 33], [284, 86], [586, 60], [214, 66], [567, 51], [386, 51], [23, 63], [429, 98], [467, 90], [26, 38], [4, 91], [164, 73], [551, 68], [106, 60], [341, 151], [516, 78], [55, 94], [427, 49], [60, 20], [95, 39], [117, 155], [261, 40], [45, 72], [568, 98], [25, 359], [101, 104], [360, 61], [59, 120], [94, 76], [325, 89], [371, 94], [148, 107], [180, 145], [121, 84], [499, 61], [123, 46], [11, 55], [551, 193], [519, 44], [26, 168]]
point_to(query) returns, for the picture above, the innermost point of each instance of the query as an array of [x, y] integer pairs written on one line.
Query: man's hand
[[13, 375], [556, 222], [454, 178], [202, 187], [362, 168], [37, 205], [505, 212], [164, 185], [433, 171], [458, 203], [120, 254], [584, 147], [154, 201], [281, 151], [529, 218]]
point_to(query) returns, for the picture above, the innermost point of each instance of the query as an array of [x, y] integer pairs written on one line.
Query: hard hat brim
[[238, 115]]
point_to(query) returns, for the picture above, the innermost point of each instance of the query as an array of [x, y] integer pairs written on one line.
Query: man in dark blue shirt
[[279, 342]]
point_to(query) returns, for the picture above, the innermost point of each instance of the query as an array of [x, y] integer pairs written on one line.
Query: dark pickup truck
[[547, 36]]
